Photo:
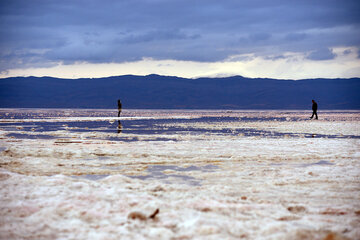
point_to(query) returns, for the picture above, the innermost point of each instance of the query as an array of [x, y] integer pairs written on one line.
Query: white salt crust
[[286, 187]]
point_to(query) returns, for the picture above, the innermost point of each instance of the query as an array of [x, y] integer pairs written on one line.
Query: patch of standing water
[[30, 136], [153, 127], [157, 168], [322, 162], [319, 163], [156, 172], [93, 177]]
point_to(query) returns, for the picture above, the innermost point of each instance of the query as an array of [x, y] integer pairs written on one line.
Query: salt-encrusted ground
[[82, 174]]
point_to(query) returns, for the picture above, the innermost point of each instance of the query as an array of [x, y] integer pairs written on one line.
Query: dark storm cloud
[[45, 31]]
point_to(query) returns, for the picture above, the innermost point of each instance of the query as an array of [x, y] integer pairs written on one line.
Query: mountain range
[[165, 92]]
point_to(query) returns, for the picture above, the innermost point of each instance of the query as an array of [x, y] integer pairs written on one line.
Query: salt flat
[[85, 174]]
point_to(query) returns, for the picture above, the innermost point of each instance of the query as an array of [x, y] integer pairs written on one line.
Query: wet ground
[[79, 174], [47, 122]]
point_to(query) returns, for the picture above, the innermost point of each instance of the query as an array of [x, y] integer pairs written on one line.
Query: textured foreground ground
[[68, 174]]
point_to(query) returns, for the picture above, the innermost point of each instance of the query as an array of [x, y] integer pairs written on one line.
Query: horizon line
[[174, 76]]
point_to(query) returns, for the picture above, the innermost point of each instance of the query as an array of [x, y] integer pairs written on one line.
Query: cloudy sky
[[190, 38]]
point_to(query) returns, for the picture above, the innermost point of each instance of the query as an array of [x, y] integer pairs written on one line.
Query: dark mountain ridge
[[165, 92]]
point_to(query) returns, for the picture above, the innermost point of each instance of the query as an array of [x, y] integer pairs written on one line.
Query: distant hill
[[163, 92]]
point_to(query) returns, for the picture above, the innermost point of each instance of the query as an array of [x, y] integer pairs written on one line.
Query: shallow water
[[162, 124], [69, 173], [156, 172]]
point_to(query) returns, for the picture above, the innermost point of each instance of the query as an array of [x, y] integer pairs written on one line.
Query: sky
[[284, 39]]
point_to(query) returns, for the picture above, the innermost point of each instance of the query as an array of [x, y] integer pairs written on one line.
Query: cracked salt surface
[[212, 174]]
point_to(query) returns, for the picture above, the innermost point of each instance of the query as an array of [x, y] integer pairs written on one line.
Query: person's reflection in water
[[119, 127], [119, 107]]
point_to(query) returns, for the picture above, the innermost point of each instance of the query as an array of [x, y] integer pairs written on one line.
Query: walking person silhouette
[[314, 108]]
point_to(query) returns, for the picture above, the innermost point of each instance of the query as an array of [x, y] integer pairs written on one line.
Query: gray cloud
[[258, 37], [294, 37], [322, 54], [273, 58], [158, 35], [347, 51], [46, 31]]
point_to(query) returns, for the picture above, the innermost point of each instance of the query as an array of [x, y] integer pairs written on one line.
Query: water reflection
[[119, 127], [147, 125]]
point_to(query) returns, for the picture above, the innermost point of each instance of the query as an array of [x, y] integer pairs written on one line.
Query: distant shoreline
[[163, 92]]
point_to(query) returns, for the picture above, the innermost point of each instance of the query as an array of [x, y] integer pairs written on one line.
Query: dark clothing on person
[[314, 113], [314, 108], [119, 107]]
